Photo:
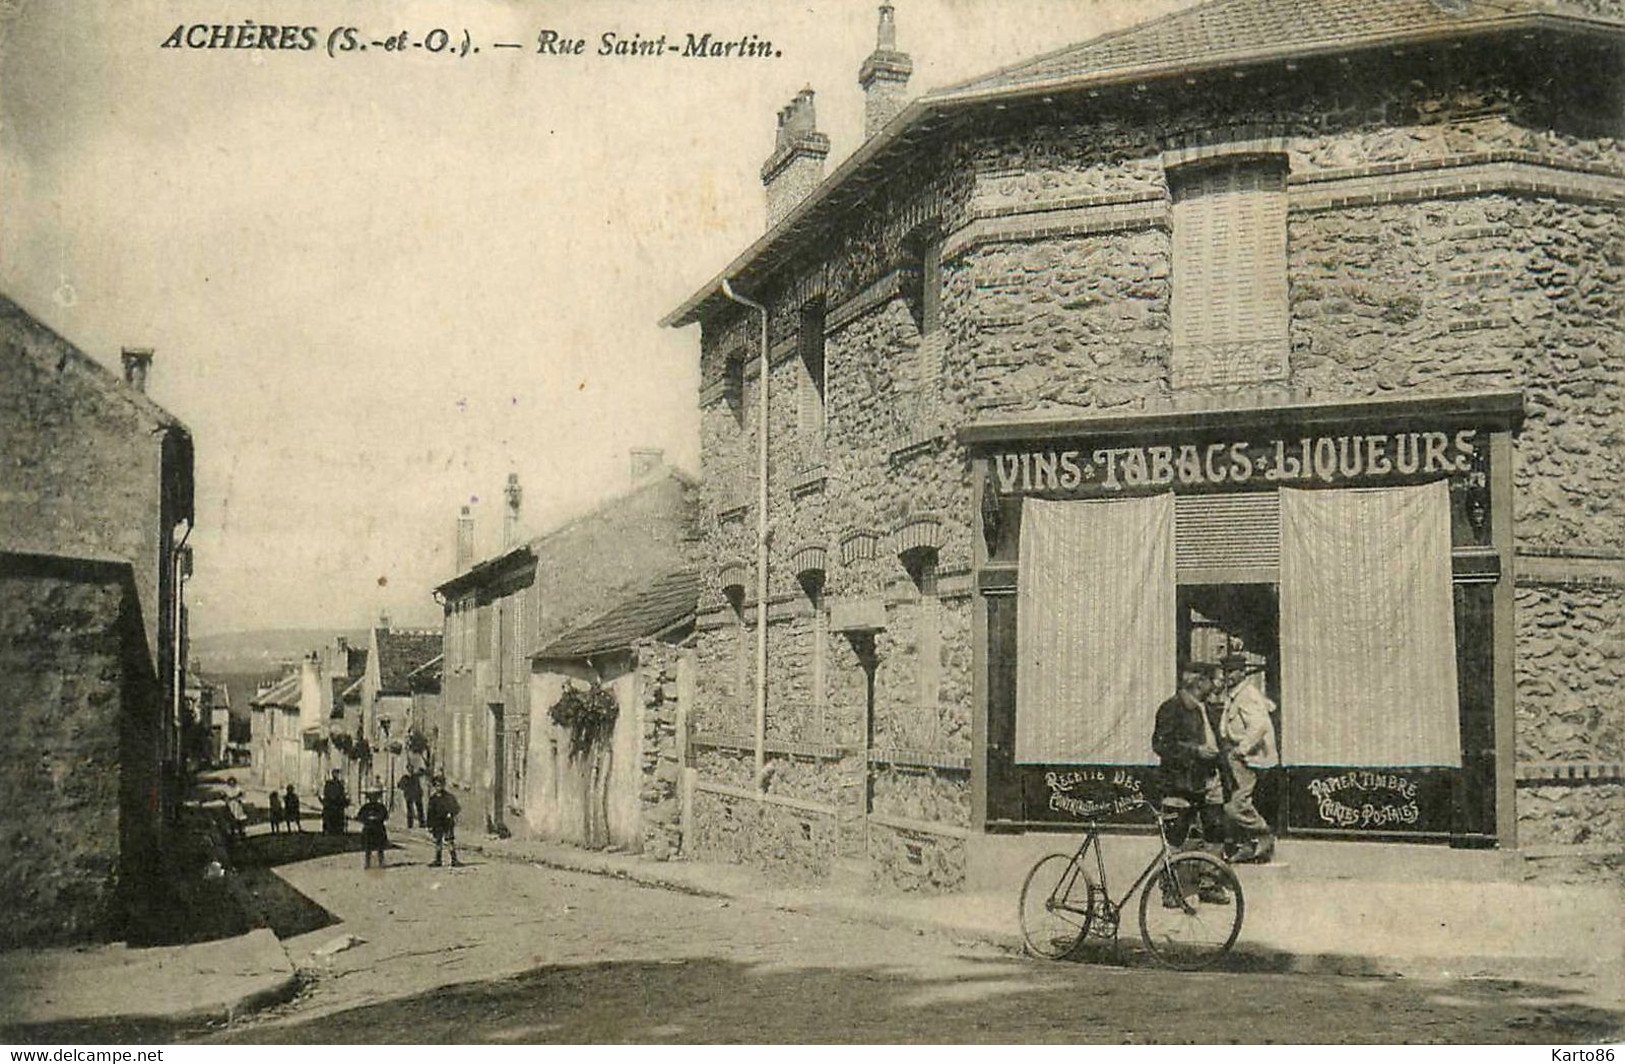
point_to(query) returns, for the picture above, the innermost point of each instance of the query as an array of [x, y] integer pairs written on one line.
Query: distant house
[[274, 734], [385, 693], [301, 728], [499, 611], [207, 720], [97, 487]]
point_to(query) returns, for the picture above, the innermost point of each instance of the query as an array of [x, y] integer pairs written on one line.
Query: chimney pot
[[137, 363], [796, 166], [510, 519], [465, 540], [884, 76]]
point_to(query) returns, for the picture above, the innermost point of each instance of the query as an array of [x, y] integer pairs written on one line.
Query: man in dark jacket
[[443, 810], [1189, 751]]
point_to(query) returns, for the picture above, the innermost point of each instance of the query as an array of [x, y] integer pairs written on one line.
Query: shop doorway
[[1218, 620]]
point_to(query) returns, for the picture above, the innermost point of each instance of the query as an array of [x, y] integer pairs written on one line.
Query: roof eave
[[481, 572], [954, 99], [904, 122]]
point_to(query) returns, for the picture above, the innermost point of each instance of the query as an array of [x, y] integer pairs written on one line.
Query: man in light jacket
[[1247, 742]]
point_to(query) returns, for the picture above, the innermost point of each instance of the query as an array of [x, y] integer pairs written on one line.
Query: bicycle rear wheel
[[1056, 905], [1183, 920]]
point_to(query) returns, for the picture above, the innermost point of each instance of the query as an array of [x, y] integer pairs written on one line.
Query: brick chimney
[[646, 462], [510, 514], [797, 164], [465, 540], [884, 77], [137, 364]]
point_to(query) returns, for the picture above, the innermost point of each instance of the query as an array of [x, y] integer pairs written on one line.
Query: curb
[[106, 1026]]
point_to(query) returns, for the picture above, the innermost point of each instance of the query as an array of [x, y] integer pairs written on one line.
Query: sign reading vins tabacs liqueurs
[[1303, 461]]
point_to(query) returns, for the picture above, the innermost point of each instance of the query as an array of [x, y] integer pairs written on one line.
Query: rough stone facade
[[78, 778], [96, 480], [1452, 227], [660, 795]]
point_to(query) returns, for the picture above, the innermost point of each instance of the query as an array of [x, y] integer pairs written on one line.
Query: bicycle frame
[[1158, 863]]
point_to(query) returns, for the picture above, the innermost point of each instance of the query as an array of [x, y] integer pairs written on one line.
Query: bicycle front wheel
[[1055, 906], [1191, 911]]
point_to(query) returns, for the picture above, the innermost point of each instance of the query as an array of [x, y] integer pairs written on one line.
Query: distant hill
[[263, 652]]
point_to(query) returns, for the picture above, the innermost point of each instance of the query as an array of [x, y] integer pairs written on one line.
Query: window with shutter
[[1229, 273], [810, 383], [1227, 539]]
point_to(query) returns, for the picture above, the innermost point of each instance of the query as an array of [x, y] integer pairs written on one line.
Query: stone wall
[[661, 772], [1423, 258], [1571, 669], [78, 781]]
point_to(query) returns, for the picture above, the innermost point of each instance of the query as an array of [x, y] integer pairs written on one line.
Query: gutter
[[761, 539]]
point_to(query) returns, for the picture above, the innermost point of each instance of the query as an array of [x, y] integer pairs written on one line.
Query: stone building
[[499, 611], [1281, 326], [385, 694], [95, 508]]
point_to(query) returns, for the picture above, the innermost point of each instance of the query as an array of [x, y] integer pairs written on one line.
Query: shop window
[[810, 382], [1229, 272]]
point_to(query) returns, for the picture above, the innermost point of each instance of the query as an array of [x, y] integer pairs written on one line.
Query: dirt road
[[513, 952]]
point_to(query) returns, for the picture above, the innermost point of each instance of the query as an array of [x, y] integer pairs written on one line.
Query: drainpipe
[[178, 666], [761, 540]]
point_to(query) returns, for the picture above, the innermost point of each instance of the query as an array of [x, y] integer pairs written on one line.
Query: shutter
[[1231, 539], [1229, 274]]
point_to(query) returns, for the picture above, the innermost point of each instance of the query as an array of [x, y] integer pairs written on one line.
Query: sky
[[379, 282]]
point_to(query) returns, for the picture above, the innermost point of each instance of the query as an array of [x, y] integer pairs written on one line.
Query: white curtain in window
[[1094, 629], [1368, 635]]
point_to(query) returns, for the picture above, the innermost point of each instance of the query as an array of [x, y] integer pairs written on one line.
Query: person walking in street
[[374, 838], [412, 791], [443, 810], [290, 810], [274, 800], [1183, 741], [236, 812], [334, 801], [1247, 740]]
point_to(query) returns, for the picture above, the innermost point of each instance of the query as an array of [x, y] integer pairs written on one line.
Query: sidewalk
[[1434, 929], [117, 984]]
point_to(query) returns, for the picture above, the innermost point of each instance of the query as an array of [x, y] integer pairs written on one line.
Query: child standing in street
[[443, 810], [374, 838], [276, 811]]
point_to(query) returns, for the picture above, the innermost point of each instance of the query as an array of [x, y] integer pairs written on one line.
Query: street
[[506, 951]]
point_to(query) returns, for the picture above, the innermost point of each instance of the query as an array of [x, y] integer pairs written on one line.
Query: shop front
[[1357, 555]]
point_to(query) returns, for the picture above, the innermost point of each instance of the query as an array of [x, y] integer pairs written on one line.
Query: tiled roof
[[399, 653], [1225, 31], [1213, 36], [663, 604], [285, 693], [64, 355], [426, 677], [492, 569]]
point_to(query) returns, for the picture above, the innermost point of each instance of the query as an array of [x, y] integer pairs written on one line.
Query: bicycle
[[1182, 921]]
